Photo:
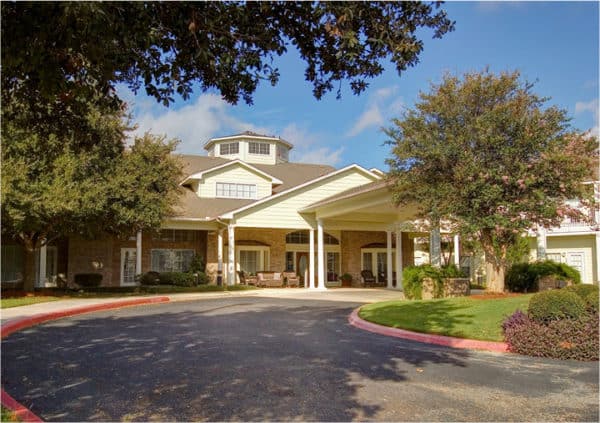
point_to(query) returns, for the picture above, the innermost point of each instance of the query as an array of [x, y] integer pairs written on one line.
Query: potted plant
[[346, 279]]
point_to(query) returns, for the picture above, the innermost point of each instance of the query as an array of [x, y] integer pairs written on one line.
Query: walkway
[[275, 356]]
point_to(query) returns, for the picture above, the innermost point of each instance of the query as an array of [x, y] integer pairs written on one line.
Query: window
[[289, 261], [301, 237], [282, 153], [232, 190], [381, 264], [333, 265], [12, 263], [164, 260], [174, 235], [367, 261], [259, 148], [249, 261], [229, 148]]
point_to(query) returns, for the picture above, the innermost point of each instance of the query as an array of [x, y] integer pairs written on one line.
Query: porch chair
[[367, 277], [291, 278]]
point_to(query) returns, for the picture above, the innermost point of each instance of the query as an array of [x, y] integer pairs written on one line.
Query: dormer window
[[229, 148], [259, 148], [233, 190]]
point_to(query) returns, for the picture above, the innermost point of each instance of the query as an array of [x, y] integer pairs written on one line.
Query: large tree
[[83, 182], [487, 153], [66, 51]]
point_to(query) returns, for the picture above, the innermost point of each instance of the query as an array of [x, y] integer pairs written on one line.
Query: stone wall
[[453, 287]]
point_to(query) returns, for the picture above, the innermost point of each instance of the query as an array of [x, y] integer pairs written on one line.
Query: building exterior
[[246, 207], [575, 242]]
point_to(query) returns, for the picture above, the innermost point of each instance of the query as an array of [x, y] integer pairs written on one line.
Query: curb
[[446, 341], [23, 413]]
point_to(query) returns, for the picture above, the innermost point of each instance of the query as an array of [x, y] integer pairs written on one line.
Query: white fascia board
[[230, 214], [200, 175]]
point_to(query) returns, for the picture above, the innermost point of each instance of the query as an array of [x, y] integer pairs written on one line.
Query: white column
[[42, 268], [389, 258], [231, 255], [138, 253], [320, 256], [456, 251], [311, 258], [220, 255], [435, 247], [597, 257], [541, 244], [399, 260]]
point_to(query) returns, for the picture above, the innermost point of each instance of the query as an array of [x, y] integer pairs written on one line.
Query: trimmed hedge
[[524, 277], [555, 305], [177, 278], [412, 279], [88, 280], [575, 339], [149, 278]]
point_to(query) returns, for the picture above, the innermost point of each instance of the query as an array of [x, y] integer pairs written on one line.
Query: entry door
[[302, 267], [576, 260], [128, 257]]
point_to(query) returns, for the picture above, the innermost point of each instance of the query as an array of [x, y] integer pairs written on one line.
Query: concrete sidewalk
[[364, 295]]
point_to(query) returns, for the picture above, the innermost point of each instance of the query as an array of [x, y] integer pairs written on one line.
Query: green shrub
[[88, 280], [177, 278], [554, 305], [202, 278], [197, 265], [575, 339], [589, 293], [592, 301], [412, 279], [149, 278], [524, 277]]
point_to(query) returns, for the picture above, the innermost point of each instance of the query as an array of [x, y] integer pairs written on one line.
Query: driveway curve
[[265, 358]]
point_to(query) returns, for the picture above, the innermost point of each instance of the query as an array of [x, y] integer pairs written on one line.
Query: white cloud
[[306, 146], [381, 105], [592, 107], [209, 116], [193, 123]]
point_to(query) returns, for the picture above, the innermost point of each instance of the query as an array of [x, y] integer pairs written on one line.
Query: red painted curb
[[446, 341], [22, 412]]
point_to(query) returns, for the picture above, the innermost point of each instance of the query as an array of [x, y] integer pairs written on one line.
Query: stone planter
[[453, 287], [549, 282]]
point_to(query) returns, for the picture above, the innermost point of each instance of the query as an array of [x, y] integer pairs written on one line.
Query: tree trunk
[[494, 278], [29, 270]]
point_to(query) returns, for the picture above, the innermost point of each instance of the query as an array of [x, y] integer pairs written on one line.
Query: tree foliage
[[70, 52], [82, 181], [488, 153]]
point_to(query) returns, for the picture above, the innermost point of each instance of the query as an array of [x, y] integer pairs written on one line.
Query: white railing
[[576, 225]]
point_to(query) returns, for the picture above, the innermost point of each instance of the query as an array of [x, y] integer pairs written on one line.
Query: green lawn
[[460, 317], [22, 301], [118, 292]]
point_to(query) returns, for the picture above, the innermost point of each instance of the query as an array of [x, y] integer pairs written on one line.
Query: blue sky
[[555, 43]]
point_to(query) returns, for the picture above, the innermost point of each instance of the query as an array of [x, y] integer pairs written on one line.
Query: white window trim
[[229, 144], [168, 249], [374, 252], [259, 145], [253, 193], [264, 259]]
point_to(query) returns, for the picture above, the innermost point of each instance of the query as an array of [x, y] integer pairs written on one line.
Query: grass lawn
[[460, 317], [8, 416], [22, 301], [116, 292]]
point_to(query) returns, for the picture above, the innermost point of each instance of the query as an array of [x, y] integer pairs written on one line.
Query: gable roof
[[199, 175], [352, 192], [230, 214]]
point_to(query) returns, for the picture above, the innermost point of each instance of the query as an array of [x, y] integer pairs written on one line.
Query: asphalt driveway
[[264, 358]]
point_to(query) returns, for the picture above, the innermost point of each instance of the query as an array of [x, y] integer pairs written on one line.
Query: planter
[[453, 287]]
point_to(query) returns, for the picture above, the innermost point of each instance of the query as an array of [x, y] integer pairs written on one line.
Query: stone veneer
[[104, 255]]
